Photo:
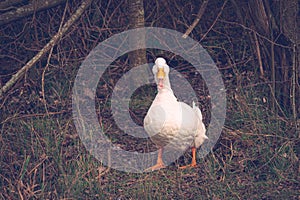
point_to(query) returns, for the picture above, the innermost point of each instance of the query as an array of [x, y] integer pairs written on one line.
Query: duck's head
[[161, 73]]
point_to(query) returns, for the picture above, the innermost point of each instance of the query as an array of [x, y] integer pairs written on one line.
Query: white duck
[[171, 121]]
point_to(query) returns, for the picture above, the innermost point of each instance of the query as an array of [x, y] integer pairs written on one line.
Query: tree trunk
[[291, 29], [137, 20]]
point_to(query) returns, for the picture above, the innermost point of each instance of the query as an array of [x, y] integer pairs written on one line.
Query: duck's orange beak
[[160, 77]]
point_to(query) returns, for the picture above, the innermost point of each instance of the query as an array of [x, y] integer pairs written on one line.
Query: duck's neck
[[167, 85]]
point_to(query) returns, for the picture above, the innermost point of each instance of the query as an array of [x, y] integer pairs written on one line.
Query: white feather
[[171, 121]]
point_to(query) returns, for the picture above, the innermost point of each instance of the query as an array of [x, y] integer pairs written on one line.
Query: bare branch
[[261, 69], [47, 47], [196, 21], [294, 82]]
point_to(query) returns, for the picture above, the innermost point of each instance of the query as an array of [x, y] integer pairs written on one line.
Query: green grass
[[43, 161], [42, 156]]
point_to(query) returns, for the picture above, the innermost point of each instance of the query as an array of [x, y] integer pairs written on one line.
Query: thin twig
[[293, 86], [218, 16], [258, 34], [48, 62]]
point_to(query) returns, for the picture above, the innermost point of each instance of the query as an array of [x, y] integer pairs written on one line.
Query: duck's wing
[[154, 120]]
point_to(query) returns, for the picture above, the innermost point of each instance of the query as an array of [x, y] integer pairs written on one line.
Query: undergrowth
[[42, 156]]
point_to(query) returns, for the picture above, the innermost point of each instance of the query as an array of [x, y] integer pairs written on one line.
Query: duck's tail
[[197, 111]]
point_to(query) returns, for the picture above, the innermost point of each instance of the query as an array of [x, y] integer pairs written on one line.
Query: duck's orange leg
[[159, 164], [194, 163]]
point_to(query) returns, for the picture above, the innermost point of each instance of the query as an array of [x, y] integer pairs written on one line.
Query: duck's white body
[[170, 122]]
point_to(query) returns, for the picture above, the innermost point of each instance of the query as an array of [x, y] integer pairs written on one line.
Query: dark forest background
[[255, 44]]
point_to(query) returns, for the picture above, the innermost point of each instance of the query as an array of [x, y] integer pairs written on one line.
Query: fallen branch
[[14, 12], [46, 48], [8, 5]]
